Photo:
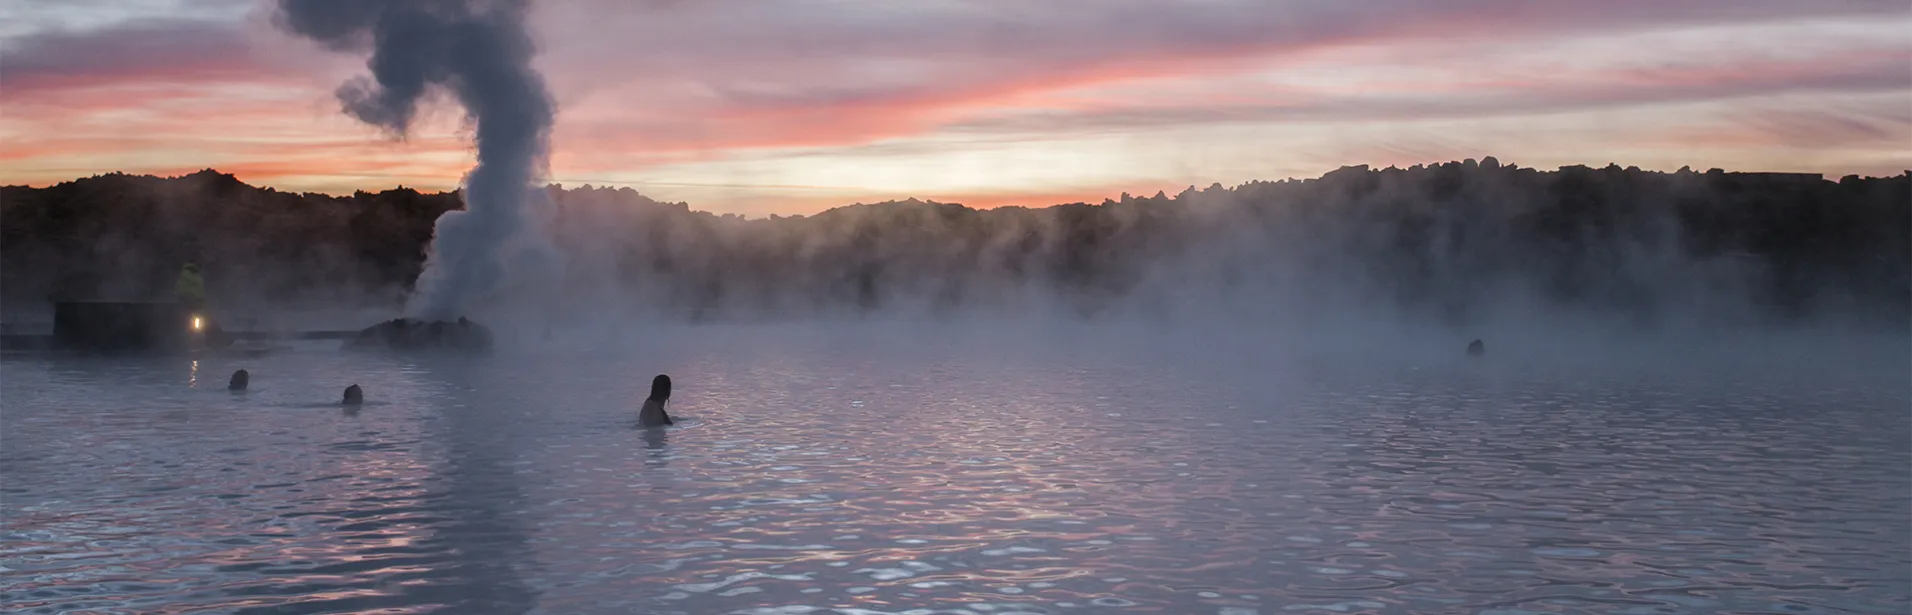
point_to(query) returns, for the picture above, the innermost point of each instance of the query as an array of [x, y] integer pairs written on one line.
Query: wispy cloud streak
[[752, 91]]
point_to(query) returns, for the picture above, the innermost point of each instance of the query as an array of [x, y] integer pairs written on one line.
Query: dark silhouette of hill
[[1450, 242], [125, 237]]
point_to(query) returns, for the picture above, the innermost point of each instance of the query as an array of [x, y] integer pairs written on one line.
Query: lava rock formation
[[407, 335]]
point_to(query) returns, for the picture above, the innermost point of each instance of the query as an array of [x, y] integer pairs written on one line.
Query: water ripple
[[810, 481]]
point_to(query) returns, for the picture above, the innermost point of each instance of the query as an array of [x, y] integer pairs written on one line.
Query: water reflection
[[958, 484], [483, 543], [654, 440], [439, 535]]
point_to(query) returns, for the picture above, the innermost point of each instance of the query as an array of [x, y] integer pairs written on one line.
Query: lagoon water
[[818, 474]]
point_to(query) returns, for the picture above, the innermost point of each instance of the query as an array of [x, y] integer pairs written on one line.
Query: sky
[[794, 106]]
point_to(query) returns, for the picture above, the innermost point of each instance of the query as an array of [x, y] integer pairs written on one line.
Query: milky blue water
[[817, 475]]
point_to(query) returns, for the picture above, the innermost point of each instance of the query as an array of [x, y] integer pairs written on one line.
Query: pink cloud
[[690, 82], [1861, 70], [168, 51]]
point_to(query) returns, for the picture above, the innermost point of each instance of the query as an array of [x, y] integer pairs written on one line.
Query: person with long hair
[[653, 413]]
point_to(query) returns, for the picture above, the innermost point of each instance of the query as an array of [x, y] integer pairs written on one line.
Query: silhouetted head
[[354, 395], [239, 381], [1476, 349], [661, 388]]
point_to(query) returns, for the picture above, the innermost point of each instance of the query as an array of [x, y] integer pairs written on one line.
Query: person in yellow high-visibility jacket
[[191, 288]]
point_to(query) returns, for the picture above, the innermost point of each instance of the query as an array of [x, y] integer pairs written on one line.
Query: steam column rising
[[481, 51]]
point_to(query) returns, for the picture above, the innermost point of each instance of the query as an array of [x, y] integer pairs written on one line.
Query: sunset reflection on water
[[820, 480]]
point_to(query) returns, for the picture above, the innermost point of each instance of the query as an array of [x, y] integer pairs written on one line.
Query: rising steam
[[481, 51]]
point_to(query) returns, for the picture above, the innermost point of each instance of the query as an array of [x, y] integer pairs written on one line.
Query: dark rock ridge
[[1448, 243], [408, 335]]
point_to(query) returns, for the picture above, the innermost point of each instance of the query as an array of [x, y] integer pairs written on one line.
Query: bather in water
[[353, 396], [239, 381], [653, 413]]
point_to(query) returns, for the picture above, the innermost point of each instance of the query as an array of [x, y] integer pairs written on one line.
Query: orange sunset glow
[[793, 107]]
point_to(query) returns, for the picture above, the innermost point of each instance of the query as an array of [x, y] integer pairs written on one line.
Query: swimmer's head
[[354, 395], [661, 388], [239, 381]]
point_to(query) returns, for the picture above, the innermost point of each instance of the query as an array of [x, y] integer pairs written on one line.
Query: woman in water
[[653, 413]]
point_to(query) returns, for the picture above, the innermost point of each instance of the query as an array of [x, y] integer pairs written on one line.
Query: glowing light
[[198, 324]]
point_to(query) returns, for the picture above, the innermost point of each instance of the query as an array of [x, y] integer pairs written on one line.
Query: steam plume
[[481, 51]]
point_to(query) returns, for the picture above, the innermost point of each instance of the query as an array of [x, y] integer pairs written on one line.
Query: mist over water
[[1251, 402], [1237, 402], [1567, 263], [1461, 250]]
